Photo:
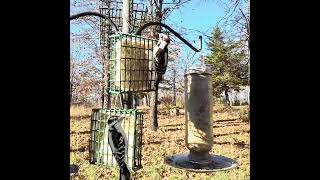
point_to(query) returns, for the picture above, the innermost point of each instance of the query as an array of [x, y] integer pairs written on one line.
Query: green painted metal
[[131, 63], [99, 149]]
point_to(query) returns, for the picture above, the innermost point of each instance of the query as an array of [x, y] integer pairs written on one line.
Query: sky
[[201, 15]]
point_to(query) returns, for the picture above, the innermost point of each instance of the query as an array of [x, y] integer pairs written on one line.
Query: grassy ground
[[231, 140]]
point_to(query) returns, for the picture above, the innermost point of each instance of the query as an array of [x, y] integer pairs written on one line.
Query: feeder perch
[[199, 128], [99, 149], [131, 64]]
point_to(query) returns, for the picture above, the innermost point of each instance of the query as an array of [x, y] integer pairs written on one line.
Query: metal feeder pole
[[128, 97], [126, 16], [199, 129]]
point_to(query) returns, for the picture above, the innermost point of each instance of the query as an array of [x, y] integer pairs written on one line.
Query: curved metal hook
[[94, 14], [173, 32]]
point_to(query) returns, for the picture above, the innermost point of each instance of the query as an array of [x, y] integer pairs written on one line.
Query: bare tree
[[173, 74], [86, 52], [236, 20], [86, 65], [236, 23]]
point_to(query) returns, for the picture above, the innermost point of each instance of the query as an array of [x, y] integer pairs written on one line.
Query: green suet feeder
[[99, 149], [131, 63]]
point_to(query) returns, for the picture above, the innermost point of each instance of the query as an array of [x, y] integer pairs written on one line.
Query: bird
[[119, 145], [160, 54]]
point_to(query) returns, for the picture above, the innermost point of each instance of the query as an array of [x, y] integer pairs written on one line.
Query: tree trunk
[[174, 88], [154, 110], [103, 88], [154, 95], [71, 91], [227, 96]]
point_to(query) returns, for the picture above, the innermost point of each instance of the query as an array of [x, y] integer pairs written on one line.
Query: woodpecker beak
[[121, 118]]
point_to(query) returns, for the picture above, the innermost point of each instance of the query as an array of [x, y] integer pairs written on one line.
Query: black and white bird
[[160, 54], [119, 145]]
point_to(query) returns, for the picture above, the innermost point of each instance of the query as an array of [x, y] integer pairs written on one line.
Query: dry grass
[[79, 111], [231, 140]]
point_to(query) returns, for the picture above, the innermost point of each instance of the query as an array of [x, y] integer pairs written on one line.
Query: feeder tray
[[214, 163], [131, 64], [99, 148]]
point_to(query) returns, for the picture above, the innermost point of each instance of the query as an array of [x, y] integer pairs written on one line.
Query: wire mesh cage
[[99, 149], [113, 9], [131, 63]]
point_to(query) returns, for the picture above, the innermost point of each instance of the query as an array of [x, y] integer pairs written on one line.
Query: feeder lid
[[200, 69]]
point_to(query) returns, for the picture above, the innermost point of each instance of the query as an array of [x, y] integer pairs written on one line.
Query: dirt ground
[[231, 139]]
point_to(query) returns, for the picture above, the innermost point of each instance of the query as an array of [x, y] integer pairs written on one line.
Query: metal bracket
[[142, 28], [173, 32], [76, 16]]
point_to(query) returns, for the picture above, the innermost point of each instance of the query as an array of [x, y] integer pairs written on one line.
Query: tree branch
[[226, 19]]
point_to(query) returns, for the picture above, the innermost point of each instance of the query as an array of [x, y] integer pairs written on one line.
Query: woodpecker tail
[[124, 172]]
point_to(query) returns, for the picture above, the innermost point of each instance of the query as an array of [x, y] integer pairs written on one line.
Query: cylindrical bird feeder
[[198, 119], [199, 126]]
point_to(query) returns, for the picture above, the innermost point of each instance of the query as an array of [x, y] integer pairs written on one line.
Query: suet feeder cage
[[131, 64], [99, 149], [113, 10]]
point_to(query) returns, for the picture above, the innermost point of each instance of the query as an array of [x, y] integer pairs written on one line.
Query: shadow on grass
[[172, 125], [83, 132], [239, 144], [179, 140], [81, 149], [173, 129], [242, 145], [230, 124], [152, 142], [226, 120], [160, 142], [81, 117], [226, 134]]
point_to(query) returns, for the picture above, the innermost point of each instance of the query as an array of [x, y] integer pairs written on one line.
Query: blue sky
[[201, 15]]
